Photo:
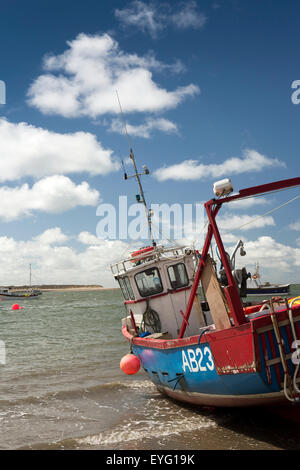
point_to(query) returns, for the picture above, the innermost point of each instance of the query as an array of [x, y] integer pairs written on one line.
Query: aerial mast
[[141, 196]]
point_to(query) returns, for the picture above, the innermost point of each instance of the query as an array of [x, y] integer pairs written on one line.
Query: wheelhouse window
[[149, 282], [129, 288], [126, 288], [178, 276]]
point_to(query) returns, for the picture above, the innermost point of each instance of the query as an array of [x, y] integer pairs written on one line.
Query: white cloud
[[144, 130], [87, 238], [33, 151], [152, 19], [295, 225], [193, 170], [55, 262], [270, 254], [51, 236], [90, 72], [230, 238], [249, 202], [52, 194], [142, 16], [188, 17], [243, 222]]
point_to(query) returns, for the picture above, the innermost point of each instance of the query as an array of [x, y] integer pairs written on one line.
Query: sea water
[[62, 388]]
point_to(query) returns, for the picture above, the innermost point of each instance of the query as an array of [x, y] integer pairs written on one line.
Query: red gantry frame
[[212, 208]]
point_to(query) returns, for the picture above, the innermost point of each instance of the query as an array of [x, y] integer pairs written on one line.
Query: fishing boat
[[257, 288], [218, 351]]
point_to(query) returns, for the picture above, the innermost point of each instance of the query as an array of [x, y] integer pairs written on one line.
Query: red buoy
[[141, 254], [16, 307], [130, 364]]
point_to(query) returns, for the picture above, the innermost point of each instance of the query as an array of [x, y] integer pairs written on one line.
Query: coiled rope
[[150, 319]]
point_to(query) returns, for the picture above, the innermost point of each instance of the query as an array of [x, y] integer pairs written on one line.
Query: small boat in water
[[217, 352], [266, 288], [8, 293]]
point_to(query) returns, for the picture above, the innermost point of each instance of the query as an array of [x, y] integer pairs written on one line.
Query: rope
[[150, 319]]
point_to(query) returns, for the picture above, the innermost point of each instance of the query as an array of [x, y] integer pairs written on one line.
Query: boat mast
[[140, 198], [30, 275], [256, 275]]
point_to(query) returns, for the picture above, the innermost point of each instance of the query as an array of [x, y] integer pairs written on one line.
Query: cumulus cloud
[[27, 150], [91, 70], [153, 18], [88, 238], [144, 130], [270, 253], [249, 202], [295, 225], [244, 222], [51, 236], [53, 194], [193, 170], [54, 261]]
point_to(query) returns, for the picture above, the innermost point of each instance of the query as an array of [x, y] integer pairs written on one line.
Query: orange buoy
[[130, 364], [16, 307]]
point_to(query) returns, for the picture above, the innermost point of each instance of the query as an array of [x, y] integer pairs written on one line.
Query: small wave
[[67, 394], [133, 430], [139, 430]]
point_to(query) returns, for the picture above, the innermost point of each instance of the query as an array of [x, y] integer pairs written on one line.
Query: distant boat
[[7, 293], [10, 294], [266, 288]]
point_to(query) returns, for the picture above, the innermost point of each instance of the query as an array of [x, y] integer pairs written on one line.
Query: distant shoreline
[[60, 288]]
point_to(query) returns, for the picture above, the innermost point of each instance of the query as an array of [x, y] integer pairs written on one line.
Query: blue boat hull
[[236, 367], [268, 290], [189, 374]]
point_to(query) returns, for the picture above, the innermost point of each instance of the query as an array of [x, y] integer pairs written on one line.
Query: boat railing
[[159, 252]]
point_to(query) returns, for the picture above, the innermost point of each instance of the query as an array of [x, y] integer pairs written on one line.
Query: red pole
[[133, 321], [231, 291], [197, 277], [261, 189]]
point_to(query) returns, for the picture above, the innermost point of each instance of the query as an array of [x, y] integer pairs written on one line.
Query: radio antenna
[[140, 198], [124, 122]]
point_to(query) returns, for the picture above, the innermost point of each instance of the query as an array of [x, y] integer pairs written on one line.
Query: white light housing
[[223, 187]]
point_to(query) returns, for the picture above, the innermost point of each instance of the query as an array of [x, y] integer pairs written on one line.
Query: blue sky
[[206, 88]]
